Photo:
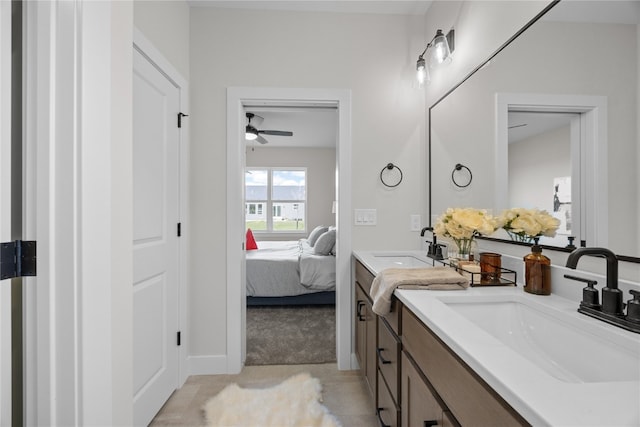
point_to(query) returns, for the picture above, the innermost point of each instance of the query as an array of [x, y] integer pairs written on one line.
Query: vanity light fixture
[[442, 46]]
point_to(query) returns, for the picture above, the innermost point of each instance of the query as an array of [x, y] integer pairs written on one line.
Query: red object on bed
[[251, 242]]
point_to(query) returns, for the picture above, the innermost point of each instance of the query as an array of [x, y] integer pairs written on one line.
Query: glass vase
[[537, 272], [463, 249]]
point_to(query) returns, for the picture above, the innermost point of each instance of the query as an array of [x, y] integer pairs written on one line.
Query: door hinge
[[17, 259], [178, 338], [180, 116], [179, 229]]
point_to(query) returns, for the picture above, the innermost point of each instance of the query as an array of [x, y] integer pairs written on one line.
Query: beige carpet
[[294, 402], [291, 335]]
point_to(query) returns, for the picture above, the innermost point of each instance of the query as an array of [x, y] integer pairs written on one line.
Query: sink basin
[[561, 342], [400, 261]]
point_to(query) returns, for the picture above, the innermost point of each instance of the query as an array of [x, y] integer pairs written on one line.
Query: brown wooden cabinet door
[[418, 406], [365, 338], [371, 365], [360, 326]]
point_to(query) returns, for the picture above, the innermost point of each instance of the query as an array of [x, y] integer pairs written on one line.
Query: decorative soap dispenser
[[537, 272]]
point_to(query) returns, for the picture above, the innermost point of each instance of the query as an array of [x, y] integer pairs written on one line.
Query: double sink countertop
[[552, 364]]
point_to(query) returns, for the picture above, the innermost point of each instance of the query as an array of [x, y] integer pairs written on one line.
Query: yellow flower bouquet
[[463, 224], [524, 225]]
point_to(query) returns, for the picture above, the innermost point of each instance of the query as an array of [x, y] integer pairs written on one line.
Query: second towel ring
[[390, 167], [457, 168]]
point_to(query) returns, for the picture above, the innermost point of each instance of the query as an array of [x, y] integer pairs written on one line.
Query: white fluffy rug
[[294, 402]]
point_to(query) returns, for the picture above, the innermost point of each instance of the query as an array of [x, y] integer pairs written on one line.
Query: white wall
[[481, 27], [533, 164], [321, 180], [166, 25], [372, 55]]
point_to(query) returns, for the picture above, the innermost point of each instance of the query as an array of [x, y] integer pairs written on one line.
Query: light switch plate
[[366, 217], [415, 223]]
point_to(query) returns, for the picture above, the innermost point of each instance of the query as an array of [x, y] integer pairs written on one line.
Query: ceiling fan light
[[250, 133]]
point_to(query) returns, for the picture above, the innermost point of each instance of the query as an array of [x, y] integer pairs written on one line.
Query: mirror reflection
[[551, 122], [531, 137]]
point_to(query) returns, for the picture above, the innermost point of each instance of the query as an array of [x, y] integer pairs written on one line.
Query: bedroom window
[[275, 199]]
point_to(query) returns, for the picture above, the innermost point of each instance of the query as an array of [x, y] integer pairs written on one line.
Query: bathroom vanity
[[490, 356]]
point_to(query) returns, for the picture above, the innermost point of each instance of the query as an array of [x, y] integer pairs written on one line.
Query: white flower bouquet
[[524, 225]]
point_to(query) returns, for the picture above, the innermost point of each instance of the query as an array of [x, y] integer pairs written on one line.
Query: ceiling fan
[[252, 133]]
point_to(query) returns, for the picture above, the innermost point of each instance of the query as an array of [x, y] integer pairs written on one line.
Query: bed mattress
[[288, 268]]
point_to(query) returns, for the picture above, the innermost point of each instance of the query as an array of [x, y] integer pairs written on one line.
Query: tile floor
[[344, 393]]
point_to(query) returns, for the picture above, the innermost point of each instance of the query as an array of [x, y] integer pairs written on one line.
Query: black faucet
[[612, 307], [435, 249], [611, 295]]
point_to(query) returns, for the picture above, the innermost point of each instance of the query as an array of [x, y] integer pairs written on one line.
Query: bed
[[290, 273]]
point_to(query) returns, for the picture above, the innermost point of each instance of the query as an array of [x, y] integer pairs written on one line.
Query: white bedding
[[288, 268]]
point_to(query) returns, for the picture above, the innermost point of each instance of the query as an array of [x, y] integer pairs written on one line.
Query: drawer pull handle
[[382, 359], [430, 423], [359, 311], [382, 424]]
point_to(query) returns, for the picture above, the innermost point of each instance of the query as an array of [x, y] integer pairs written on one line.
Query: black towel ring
[[391, 167], [459, 167]]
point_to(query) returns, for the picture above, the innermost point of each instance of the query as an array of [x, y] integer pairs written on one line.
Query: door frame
[[5, 210], [148, 50], [237, 97], [588, 155], [78, 205], [77, 161]]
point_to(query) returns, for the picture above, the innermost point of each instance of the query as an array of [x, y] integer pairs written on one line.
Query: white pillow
[[325, 243], [317, 232]]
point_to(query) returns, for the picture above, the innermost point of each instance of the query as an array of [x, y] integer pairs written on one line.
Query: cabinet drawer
[[386, 410], [468, 397], [364, 277], [388, 351]]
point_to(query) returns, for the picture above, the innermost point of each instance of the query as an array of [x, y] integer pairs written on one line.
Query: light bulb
[[422, 74], [441, 52]]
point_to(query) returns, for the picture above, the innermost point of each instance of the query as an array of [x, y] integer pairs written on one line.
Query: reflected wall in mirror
[[581, 59]]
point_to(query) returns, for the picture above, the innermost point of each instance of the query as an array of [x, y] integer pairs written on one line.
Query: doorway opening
[[290, 187], [237, 101]]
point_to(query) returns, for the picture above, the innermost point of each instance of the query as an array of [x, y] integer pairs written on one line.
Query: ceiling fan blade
[[261, 140], [276, 132], [254, 119]]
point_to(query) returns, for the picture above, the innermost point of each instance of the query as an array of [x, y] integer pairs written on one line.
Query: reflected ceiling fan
[[252, 133]]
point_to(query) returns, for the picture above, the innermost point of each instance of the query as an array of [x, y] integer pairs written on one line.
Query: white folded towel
[[436, 278]]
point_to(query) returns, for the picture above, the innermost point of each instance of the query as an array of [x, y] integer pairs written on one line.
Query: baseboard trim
[[354, 362], [207, 365]]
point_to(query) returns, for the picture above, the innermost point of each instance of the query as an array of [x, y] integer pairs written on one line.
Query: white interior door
[[155, 242]]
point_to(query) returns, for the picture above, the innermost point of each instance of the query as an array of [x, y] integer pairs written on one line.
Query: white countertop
[[539, 397]]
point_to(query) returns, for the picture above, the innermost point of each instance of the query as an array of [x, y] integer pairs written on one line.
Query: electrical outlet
[[415, 223]]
